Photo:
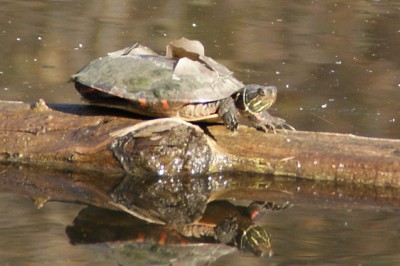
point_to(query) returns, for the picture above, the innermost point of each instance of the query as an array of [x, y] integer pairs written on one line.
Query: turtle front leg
[[229, 114], [267, 122]]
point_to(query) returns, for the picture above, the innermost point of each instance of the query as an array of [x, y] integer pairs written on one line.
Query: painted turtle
[[185, 83]]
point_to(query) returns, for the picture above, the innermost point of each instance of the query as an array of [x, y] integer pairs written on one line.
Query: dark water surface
[[336, 65]]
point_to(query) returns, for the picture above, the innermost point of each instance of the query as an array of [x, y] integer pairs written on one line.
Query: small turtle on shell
[[185, 83]]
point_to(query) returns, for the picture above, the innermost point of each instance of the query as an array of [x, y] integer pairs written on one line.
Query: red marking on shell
[[164, 104], [140, 238], [163, 237], [142, 102]]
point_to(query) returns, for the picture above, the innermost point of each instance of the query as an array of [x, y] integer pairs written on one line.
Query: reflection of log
[[66, 140]]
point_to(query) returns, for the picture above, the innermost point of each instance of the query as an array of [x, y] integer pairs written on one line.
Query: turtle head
[[257, 98]]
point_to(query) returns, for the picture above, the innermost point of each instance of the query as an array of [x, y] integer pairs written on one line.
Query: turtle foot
[[266, 122], [230, 121], [227, 230], [229, 114], [257, 209]]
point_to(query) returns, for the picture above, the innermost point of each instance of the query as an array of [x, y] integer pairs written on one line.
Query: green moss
[[138, 82], [167, 89], [161, 72]]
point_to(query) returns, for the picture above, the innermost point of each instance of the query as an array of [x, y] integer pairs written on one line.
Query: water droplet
[[161, 171]]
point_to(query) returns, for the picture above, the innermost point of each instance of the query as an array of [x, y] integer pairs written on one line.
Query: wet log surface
[[314, 155], [82, 153]]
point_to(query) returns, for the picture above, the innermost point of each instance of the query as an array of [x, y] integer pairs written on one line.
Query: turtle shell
[[142, 81]]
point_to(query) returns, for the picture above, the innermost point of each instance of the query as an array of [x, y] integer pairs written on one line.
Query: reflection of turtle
[[222, 222], [234, 225], [185, 83]]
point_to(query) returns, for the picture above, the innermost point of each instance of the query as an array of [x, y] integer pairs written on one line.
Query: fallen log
[[82, 138]]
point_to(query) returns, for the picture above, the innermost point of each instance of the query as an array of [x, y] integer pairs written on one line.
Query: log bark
[[79, 138], [314, 155], [35, 134]]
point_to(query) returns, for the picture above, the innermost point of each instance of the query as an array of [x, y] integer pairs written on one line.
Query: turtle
[[184, 83]]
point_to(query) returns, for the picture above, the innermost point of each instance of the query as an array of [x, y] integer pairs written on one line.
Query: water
[[336, 65], [37, 237], [306, 233]]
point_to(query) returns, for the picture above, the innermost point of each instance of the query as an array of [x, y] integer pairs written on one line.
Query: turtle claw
[[258, 209], [267, 123], [272, 206], [230, 121], [285, 126]]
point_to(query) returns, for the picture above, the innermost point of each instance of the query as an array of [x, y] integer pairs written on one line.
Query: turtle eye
[[260, 92]]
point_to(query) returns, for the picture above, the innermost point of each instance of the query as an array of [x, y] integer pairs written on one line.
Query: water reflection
[[36, 237], [132, 240], [307, 233]]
